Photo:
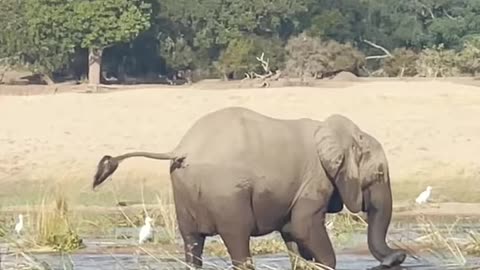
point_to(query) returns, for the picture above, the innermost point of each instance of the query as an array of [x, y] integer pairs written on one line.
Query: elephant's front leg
[[296, 253], [308, 230]]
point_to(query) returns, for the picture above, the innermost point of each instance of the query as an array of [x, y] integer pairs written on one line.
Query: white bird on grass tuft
[[146, 232], [423, 197], [19, 225]]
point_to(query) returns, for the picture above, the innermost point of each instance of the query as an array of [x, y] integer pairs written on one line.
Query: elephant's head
[[357, 165]]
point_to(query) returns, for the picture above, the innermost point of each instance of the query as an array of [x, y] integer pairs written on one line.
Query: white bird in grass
[[19, 225], [146, 231], [329, 225], [423, 197]]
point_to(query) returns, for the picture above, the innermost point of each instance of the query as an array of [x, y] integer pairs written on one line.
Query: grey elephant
[[238, 173]]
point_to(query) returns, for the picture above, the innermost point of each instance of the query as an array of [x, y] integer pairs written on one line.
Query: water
[[99, 254], [279, 261]]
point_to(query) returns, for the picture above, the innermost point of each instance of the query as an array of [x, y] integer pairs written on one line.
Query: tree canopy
[[224, 37]]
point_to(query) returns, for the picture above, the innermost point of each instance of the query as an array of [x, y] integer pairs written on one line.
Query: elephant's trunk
[[379, 208]]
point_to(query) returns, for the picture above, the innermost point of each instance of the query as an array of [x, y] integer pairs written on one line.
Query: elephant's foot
[[394, 259], [298, 263], [383, 267]]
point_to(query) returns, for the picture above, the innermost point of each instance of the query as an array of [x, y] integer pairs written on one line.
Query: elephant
[[240, 174]]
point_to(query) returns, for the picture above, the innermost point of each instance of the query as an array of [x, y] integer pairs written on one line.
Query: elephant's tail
[[109, 164]]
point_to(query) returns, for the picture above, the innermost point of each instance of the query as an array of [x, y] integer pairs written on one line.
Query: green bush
[[240, 56]]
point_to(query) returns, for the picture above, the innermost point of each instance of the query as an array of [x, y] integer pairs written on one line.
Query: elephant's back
[[233, 133]]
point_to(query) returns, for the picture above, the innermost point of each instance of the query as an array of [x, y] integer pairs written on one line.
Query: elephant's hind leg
[[235, 229], [235, 223], [238, 246], [308, 229], [193, 246]]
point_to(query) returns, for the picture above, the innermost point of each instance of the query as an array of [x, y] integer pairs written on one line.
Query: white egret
[[19, 225], [423, 197], [146, 232]]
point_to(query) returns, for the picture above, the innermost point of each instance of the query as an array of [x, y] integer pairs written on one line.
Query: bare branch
[[378, 47], [265, 76], [449, 16], [265, 63], [386, 55], [377, 57], [277, 75]]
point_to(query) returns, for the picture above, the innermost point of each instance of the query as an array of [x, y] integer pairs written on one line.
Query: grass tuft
[[52, 225], [473, 247]]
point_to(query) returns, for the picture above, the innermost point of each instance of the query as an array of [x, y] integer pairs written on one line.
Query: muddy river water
[[99, 254], [279, 261]]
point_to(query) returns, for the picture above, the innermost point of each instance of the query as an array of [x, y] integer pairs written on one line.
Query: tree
[[99, 24], [340, 20], [36, 34], [208, 26], [177, 53]]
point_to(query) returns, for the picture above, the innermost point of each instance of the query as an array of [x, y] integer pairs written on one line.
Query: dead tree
[[263, 78]]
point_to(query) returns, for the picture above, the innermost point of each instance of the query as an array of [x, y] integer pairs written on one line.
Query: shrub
[[437, 62], [402, 63], [240, 56], [468, 60], [312, 57], [53, 226]]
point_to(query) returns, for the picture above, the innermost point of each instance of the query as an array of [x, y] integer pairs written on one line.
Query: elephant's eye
[[357, 153]]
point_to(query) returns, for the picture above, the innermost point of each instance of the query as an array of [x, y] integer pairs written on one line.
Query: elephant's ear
[[329, 150], [340, 155]]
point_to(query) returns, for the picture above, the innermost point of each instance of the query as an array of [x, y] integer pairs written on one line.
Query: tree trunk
[[47, 79], [94, 66]]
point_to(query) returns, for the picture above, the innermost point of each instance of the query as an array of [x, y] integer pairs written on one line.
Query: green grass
[[55, 215], [79, 191], [55, 222], [52, 225]]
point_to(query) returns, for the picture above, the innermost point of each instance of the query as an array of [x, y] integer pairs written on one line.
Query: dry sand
[[430, 130]]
